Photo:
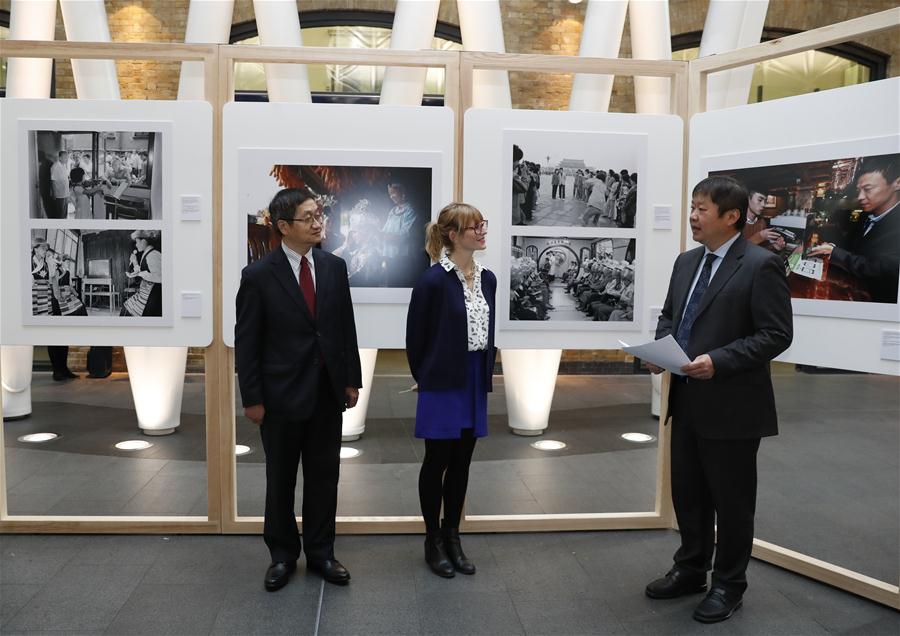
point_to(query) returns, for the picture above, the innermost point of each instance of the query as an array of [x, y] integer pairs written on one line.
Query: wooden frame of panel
[[208, 55], [700, 69]]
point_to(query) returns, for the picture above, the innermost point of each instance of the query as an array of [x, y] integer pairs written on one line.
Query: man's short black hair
[[76, 175], [755, 188], [517, 153], [727, 194], [284, 205], [887, 165]]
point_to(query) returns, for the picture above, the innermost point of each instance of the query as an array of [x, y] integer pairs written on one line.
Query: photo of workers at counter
[[835, 223], [95, 175]]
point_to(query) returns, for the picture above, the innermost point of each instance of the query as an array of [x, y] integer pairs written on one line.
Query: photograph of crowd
[[572, 279], [94, 175], [375, 218], [562, 179], [117, 273], [835, 224]]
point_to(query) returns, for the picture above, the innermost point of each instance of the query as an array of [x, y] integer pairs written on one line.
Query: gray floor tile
[[344, 614], [290, 610], [13, 598], [25, 566], [169, 609], [567, 616], [79, 598], [468, 613]]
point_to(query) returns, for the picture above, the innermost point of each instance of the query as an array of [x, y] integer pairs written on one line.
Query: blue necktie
[[683, 335], [870, 223]]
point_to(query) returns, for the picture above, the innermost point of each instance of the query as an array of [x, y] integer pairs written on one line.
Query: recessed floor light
[[241, 449], [133, 445], [348, 452], [548, 445], [37, 438], [640, 438]]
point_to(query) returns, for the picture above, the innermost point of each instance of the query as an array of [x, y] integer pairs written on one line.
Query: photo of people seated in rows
[[96, 273], [95, 175], [372, 217], [835, 224], [572, 280], [554, 189]]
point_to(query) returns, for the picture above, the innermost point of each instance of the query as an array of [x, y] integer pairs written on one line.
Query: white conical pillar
[[354, 421], [730, 24], [86, 21], [26, 77], [482, 30], [651, 39], [207, 23], [529, 376], [278, 24], [413, 30], [601, 37], [156, 374], [157, 386]]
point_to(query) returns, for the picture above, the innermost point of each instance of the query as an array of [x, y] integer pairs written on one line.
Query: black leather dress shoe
[[676, 583], [278, 574], [718, 606], [331, 570]]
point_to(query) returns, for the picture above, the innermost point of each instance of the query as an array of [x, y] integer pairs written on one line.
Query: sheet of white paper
[[662, 217], [890, 344], [665, 353], [191, 305], [190, 207], [119, 190], [810, 268]]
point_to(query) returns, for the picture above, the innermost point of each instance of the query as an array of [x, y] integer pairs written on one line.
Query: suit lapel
[[285, 275], [686, 276], [730, 265]]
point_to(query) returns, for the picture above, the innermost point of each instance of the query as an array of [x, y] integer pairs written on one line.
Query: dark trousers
[[62, 209], [444, 476], [713, 487], [555, 189], [318, 441]]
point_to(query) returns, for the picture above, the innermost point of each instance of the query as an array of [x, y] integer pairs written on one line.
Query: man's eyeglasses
[[318, 218], [480, 228]]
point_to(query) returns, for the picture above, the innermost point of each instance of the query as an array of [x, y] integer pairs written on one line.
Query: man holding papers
[[729, 308]]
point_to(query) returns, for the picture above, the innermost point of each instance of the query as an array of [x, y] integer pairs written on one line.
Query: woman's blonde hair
[[454, 217]]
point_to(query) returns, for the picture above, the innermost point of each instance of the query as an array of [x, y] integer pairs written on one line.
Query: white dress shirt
[[720, 253], [295, 260], [478, 312]]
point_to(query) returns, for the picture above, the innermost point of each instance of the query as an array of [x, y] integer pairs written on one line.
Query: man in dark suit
[[298, 368], [729, 308], [872, 252]]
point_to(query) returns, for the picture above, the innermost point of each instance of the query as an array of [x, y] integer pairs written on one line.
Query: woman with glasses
[[450, 347]]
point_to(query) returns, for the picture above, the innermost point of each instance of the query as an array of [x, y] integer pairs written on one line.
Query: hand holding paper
[[665, 353]]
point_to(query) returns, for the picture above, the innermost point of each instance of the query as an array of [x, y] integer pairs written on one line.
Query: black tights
[[445, 475]]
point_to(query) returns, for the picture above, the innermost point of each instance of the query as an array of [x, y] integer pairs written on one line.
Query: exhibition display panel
[[243, 152]]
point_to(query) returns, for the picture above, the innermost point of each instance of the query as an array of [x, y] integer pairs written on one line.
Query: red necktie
[[306, 286]]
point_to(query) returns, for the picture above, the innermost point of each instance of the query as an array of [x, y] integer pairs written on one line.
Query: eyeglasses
[[318, 218], [480, 228]]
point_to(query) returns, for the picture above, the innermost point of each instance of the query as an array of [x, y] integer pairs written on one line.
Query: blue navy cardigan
[[437, 331]]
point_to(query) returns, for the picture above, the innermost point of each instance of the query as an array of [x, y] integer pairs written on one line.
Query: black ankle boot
[[435, 555], [457, 557]]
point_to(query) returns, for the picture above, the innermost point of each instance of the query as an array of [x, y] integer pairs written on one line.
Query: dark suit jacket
[[279, 346], [437, 331], [875, 257], [743, 322]]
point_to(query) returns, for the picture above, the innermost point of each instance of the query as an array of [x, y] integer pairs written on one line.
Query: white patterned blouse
[[478, 312]]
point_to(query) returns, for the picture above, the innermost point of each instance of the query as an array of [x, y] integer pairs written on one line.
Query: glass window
[[798, 74], [4, 34], [342, 78]]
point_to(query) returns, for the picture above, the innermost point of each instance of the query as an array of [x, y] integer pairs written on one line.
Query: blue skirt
[[444, 414]]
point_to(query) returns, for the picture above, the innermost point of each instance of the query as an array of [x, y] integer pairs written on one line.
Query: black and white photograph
[[574, 179], [572, 279], [105, 273], [375, 216], [95, 175]]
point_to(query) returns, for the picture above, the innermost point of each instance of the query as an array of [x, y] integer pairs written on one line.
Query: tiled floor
[[557, 583], [832, 473]]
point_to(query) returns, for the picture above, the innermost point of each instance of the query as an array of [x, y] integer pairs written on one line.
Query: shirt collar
[[724, 247], [449, 265], [875, 219], [295, 256]]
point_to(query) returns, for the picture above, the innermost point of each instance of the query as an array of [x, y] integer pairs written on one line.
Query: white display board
[[365, 164], [570, 229], [839, 129], [106, 222]]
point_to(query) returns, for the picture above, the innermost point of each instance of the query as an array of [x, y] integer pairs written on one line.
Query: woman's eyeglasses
[[480, 228]]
